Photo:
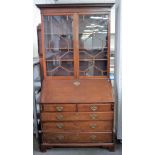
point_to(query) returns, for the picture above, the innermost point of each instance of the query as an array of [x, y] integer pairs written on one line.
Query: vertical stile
[[43, 46], [76, 44], [108, 65]]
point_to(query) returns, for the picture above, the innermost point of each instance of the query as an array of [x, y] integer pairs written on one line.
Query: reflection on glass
[[93, 36], [58, 45]]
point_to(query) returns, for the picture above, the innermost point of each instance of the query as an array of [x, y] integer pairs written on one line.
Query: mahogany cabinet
[[77, 104]]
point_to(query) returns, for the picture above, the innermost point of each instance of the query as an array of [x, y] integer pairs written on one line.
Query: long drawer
[[75, 116], [87, 126], [91, 137], [95, 107], [58, 107]]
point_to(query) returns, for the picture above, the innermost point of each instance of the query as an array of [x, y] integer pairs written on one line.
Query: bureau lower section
[[77, 125]]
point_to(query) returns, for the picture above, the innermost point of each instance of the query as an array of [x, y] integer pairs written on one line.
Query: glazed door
[[58, 46], [76, 46], [94, 46]]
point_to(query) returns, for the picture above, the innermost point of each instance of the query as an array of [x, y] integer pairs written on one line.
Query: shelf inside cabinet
[[84, 33], [61, 49], [52, 60], [58, 34], [80, 49], [59, 55], [93, 59]]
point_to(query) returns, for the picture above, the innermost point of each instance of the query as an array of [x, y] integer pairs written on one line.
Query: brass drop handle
[[93, 107], [93, 116], [59, 125], [93, 126], [60, 137], [93, 137], [59, 108], [76, 83], [59, 117]]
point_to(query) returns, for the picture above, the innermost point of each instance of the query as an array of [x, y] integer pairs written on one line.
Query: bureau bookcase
[[77, 104]]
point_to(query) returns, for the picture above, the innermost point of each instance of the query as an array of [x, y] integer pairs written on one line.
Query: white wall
[[118, 72], [36, 21]]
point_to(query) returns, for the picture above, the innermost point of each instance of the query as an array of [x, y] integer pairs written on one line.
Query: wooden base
[[109, 146], [43, 148]]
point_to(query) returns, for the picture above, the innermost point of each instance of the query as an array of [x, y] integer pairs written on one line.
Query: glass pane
[[93, 45], [59, 45]]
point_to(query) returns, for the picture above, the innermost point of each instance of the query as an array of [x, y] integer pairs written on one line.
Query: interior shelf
[[58, 34], [51, 60], [64, 49], [93, 59], [81, 49], [84, 33]]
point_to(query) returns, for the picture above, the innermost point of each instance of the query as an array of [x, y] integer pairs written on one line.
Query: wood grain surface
[[76, 116], [64, 91], [83, 126], [90, 137]]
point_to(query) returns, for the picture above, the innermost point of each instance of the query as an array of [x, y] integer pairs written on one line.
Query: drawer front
[[87, 126], [77, 137], [95, 107], [59, 107], [75, 116]]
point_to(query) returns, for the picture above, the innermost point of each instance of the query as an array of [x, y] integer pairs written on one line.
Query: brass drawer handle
[[93, 107], [59, 108], [59, 117], [93, 126], [93, 137], [60, 137], [93, 116], [76, 83], [59, 125]]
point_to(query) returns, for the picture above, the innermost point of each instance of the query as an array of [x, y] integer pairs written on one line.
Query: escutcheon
[[93, 107], [59, 117], [59, 108], [93, 116], [59, 125], [93, 137], [93, 126]]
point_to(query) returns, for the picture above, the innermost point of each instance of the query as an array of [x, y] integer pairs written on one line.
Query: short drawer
[[75, 116], [59, 107], [95, 107], [84, 126], [91, 137]]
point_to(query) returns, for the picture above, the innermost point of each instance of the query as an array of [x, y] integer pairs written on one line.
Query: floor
[[77, 151]]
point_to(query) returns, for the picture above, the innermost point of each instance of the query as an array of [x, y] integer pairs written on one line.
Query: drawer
[[91, 137], [75, 116], [95, 107], [59, 107], [87, 126]]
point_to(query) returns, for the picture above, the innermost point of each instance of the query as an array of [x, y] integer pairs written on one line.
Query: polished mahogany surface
[[72, 91]]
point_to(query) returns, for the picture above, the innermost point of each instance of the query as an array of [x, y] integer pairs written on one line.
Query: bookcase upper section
[[75, 40]]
